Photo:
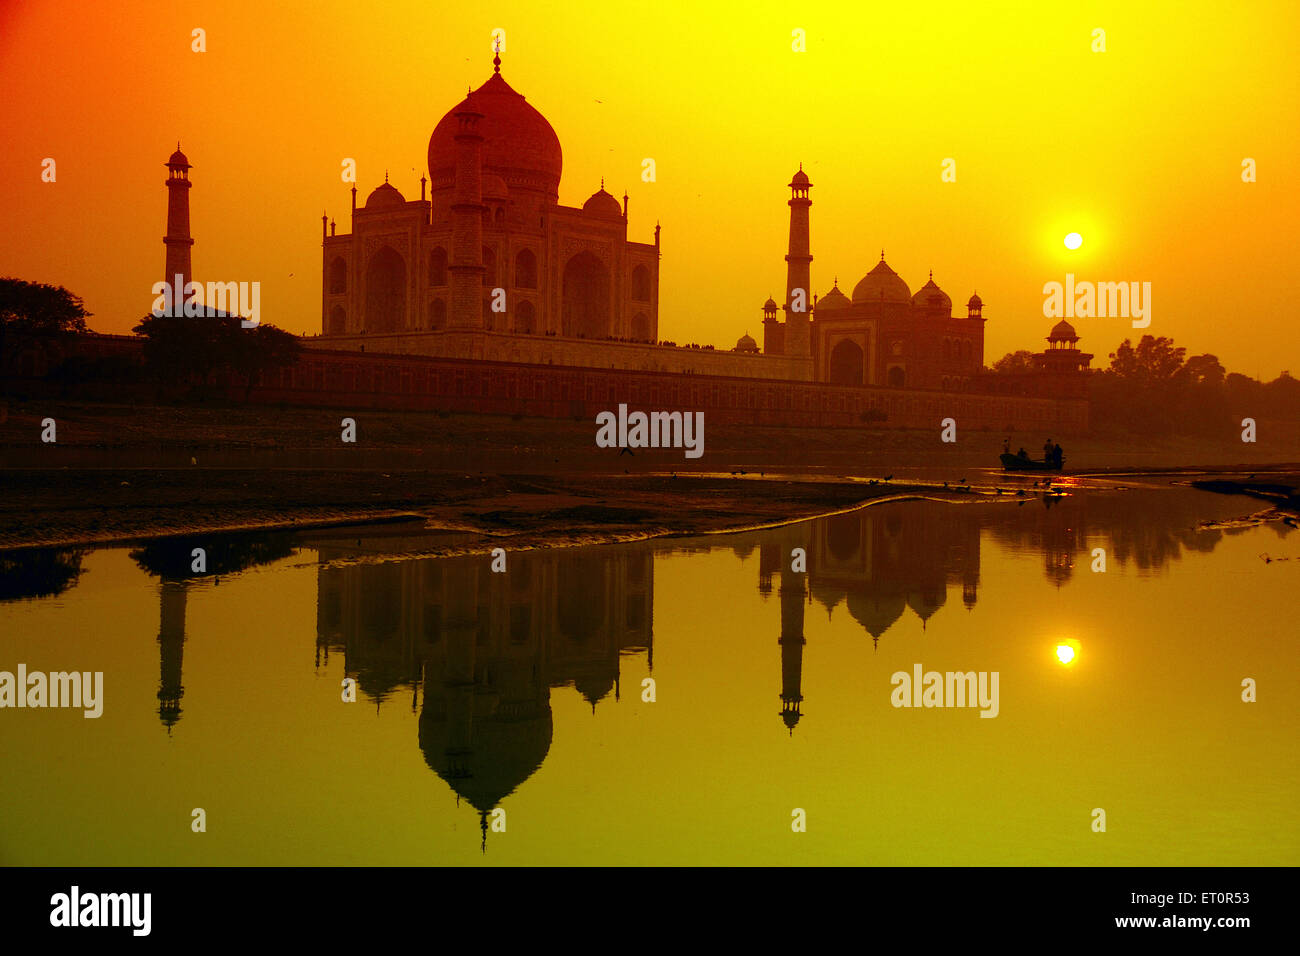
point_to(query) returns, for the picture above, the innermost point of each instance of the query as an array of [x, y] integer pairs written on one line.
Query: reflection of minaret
[[171, 646], [792, 642], [177, 241]]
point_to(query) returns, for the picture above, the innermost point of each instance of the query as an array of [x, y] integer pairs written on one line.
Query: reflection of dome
[[603, 205], [926, 295], [503, 750], [835, 299], [1063, 331], [594, 687], [882, 284], [518, 144], [384, 195], [927, 602], [746, 343], [876, 613]]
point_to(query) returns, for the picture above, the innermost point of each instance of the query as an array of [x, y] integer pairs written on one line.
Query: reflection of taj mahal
[[486, 649]]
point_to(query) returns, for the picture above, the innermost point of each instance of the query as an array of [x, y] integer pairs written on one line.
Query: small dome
[[770, 305], [975, 302], [926, 295], [800, 178], [178, 158], [384, 195], [494, 187], [882, 284], [835, 299], [746, 343], [603, 205], [1063, 331]]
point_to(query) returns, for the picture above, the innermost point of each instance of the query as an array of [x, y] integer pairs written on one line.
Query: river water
[[506, 718]]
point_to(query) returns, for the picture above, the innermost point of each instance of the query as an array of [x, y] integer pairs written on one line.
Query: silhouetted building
[[1062, 355], [492, 220]]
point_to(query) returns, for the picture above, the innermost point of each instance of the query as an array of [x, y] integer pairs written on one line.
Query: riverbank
[[102, 435], [122, 472], [67, 508]]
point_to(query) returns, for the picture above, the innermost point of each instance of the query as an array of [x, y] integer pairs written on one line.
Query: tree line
[[1155, 387], [176, 351]]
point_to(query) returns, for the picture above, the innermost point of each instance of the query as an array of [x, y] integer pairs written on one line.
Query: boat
[[1016, 463]]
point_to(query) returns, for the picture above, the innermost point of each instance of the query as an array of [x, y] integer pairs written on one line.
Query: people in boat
[[1058, 456], [1047, 451], [1023, 454], [1006, 445]]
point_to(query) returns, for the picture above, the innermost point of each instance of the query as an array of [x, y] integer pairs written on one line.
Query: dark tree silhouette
[[193, 348], [38, 572], [1018, 361], [33, 308]]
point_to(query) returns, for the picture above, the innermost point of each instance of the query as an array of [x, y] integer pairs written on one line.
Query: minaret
[[773, 331], [466, 266], [798, 325], [178, 241], [792, 643]]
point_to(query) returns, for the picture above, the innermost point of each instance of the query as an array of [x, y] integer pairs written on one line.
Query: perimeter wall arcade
[[360, 380]]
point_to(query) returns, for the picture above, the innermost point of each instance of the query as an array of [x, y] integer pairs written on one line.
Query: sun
[[1073, 240], [1067, 652]]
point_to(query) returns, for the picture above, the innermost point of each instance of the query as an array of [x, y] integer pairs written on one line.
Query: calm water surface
[[524, 691]]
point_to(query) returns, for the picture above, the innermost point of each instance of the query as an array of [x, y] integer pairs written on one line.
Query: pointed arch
[[386, 292]]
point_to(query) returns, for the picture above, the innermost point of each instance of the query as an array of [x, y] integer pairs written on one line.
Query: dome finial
[[496, 60], [385, 175], [602, 182], [882, 253], [931, 274]]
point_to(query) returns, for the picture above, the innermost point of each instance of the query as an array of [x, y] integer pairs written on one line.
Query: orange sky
[[1138, 148]]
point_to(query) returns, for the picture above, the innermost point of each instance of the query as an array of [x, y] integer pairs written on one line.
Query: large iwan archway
[[846, 363], [386, 292], [585, 312]]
